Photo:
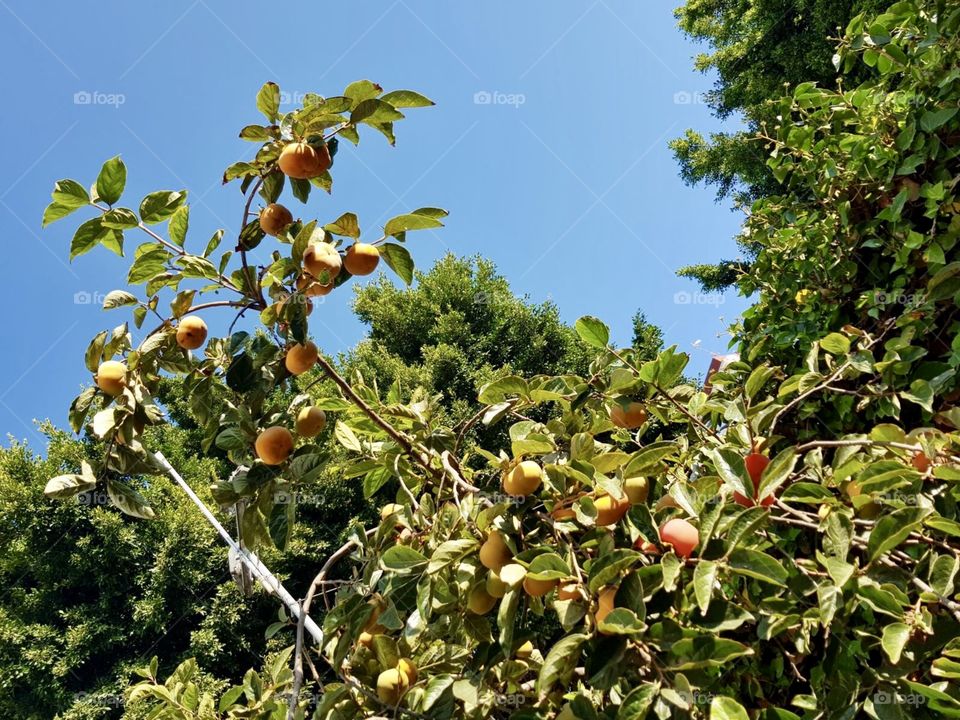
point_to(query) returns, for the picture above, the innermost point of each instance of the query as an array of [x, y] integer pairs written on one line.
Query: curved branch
[[409, 446]]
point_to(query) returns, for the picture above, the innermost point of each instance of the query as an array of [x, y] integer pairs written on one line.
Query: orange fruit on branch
[[301, 358], [191, 332], [628, 415], [274, 445], [311, 421], [111, 377], [494, 553], [610, 510], [523, 479], [361, 259], [301, 161], [322, 260], [683, 536], [274, 218]]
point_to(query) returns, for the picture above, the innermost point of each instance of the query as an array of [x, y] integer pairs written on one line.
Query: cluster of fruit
[[322, 264]]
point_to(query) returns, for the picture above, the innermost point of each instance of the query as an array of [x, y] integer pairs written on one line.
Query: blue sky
[[563, 178]]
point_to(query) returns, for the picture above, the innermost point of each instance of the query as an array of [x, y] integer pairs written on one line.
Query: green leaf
[[745, 526], [179, 222], [500, 389], [362, 90], [893, 529], [300, 189], [158, 206], [94, 351], [407, 99], [621, 621], [55, 211], [347, 437], [593, 331], [182, 302], [347, 224], [80, 407], [66, 486], [606, 569], [726, 708], [374, 111], [934, 119], [777, 472], [401, 559], [70, 193], [197, 267], [704, 578], [636, 705], [548, 566], [231, 438], [560, 663], [399, 260], [214, 243], [238, 170], [506, 616], [449, 552], [412, 221], [730, 467], [758, 565], [118, 298], [120, 219], [921, 393], [255, 133], [87, 237], [894, 639], [112, 180], [268, 101], [836, 344], [758, 378], [704, 651], [150, 262], [129, 500]]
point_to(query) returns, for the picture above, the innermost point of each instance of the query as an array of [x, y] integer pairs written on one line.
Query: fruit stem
[[176, 249], [419, 454], [256, 293], [692, 418]]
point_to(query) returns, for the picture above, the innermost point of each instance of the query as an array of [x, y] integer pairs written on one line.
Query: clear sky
[[563, 178]]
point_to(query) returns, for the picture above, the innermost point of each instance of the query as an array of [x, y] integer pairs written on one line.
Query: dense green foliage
[[88, 594], [459, 327], [759, 50], [72, 633], [865, 229]]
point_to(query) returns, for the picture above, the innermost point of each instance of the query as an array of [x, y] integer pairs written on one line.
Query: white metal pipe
[[250, 559]]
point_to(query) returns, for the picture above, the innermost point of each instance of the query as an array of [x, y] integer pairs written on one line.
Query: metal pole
[[250, 559]]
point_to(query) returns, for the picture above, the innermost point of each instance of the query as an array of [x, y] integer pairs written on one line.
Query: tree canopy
[[759, 50], [618, 542]]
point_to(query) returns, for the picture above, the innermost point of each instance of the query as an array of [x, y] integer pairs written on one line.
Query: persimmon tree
[[644, 547], [233, 385]]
